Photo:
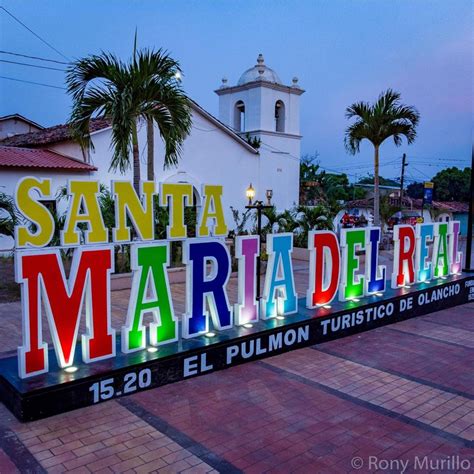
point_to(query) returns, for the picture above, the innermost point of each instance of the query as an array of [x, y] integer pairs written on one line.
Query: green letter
[[440, 250], [352, 284], [150, 294]]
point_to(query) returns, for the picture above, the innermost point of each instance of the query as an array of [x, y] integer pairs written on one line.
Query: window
[[239, 116], [279, 116]]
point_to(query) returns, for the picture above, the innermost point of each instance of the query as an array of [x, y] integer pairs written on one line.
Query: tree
[[452, 184], [369, 179], [377, 122], [309, 167], [144, 88], [9, 215], [415, 190]]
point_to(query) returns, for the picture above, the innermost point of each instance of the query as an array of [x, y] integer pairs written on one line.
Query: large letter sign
[[440, 251], [403, 259], [42, 278], [456, 256], [423, 268], [279, 294], [207, 273], [84, 208], [128, 204], [212, 210], [374, 273], [35, 212], [352, 284], [348, 266], [324, 268], [246, 252], [179, 196], [149, 264]]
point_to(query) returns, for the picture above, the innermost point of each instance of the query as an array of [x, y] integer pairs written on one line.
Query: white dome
[[260, 72]]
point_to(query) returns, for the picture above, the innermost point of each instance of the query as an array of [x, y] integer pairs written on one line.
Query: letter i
[[246, 252]]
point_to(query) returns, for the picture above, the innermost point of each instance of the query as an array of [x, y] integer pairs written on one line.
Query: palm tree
[[9, 215], [377, 122], [145, 88]]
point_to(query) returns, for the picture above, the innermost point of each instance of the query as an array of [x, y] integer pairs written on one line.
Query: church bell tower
[[260, 108]]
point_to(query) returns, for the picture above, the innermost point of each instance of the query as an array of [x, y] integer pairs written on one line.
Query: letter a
[[279, 295], [149, 263]]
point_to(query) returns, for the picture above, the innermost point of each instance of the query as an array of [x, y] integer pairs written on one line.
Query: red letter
[[42, 277], [323, 273], [403, 261]]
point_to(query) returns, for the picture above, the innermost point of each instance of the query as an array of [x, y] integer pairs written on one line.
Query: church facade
[[255, 140]]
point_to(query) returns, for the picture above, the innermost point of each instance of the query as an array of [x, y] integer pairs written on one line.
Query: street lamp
[[269, 194], [250, 193], [259, 206]]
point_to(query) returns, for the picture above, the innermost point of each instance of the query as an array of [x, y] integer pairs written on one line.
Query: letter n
[[42, 278]]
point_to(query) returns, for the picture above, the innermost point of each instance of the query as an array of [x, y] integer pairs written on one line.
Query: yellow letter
[[212, 209], [84, 207], [127, 203], [35, 212], [180, 195]]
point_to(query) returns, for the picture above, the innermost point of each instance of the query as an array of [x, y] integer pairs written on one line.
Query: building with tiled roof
[[50, 135], [39, 159], [16, 124], [255, 140]]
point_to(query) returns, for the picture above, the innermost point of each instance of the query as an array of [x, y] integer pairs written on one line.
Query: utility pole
[[404, 165], [470, 219]]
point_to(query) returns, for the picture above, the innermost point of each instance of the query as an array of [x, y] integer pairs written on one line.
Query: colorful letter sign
[[352, 283], [349, 265], [207, 273], [246, 252], [279, 294], [404, 254], [374, 273], [41, 275], [324, 268], [150, 294], [423, 267]]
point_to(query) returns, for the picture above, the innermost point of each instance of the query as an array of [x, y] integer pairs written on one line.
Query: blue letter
[[423, 267], [373, 269], [202, 285], [279, 295]]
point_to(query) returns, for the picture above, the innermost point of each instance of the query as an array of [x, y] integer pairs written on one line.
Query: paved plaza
[[371, 402]]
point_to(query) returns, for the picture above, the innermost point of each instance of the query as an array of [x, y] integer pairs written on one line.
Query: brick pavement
[[395, 393]]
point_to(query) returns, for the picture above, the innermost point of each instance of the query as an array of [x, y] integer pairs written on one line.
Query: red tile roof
[[14, 157], [55, 134]]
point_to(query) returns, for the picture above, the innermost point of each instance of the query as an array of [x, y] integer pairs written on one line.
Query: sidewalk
[[397, 393]]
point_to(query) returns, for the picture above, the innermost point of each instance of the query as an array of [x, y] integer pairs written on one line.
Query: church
[[255, 140]]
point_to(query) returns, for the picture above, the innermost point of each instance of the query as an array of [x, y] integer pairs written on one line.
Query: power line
[[38, 58], [33, 33], [32, 82], [32, 65]]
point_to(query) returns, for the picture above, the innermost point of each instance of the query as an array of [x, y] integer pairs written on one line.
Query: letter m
[[43, 280]]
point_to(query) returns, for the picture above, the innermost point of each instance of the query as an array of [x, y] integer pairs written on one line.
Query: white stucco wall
[[210, 156], [14, 126]]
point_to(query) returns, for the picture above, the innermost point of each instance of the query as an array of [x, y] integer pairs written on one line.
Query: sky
[[342, 51]]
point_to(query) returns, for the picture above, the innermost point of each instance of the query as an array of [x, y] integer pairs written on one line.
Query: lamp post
[[259, 206]]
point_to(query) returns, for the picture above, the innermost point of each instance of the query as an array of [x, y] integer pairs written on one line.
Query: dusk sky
[[342, 51]]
